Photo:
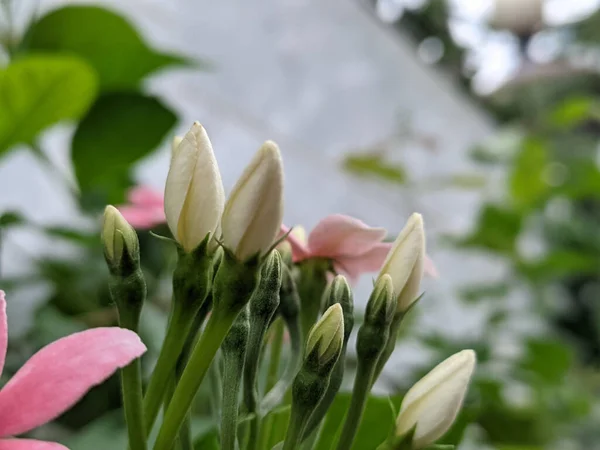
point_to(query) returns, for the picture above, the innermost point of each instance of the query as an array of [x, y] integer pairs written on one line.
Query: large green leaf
[[40, 90], [105, 39], [119, 129]]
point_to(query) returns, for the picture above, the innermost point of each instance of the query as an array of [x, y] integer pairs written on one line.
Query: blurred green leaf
[[106, 432], [37, 91], [559, 263], [104, 39], [527, 185], [374, 165], [377, 422], [497, 229], [10, 219], [573, 111], [50, 324], [548, 359], [477, 292], [120, 129]]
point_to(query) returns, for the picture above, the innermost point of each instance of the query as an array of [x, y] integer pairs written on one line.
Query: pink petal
[[3, 331], [145, 196], [142, 217], [299, 250], [338, 235], [29, 444], [429, 268], [57, 376], [371, 261]]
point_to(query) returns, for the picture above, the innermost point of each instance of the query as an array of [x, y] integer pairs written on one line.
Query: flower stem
[[177, 331], [216, 329], [275, 357], [362, 387], [277, 393], [234, 353], [131, 383], [296, 426], [388, 349]]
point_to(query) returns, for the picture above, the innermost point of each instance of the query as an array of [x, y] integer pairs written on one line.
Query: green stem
[[335, 381], [277, 393], [296, 426], [131, 377], [362, 387], [191, 379], [185, 434], [177, 331], [388, 350], [216, 388], [275, 357], [131, 382], [233, 350]]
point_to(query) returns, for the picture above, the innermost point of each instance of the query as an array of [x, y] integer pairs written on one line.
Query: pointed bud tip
[[328, 334]]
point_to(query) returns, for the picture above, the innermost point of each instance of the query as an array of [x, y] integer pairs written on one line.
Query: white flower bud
[[174, 145], [328, 334], [117, 235], [433, 403], [254, 210], [194, 194], [404, 262], [518, 16]]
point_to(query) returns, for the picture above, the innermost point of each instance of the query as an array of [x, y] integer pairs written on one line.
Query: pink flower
[[56, 377], [354, 247], [145, 208]]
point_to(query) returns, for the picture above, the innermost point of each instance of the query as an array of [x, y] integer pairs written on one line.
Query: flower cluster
[[241, 279]]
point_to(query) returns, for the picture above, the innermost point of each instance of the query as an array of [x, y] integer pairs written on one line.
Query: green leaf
[[497, 229], [374, 165], [103, 38], [120, 129], [573, 111], [527, 184], [376, 424], [10, 219], [548, 359], [108, 431], [38, 91]]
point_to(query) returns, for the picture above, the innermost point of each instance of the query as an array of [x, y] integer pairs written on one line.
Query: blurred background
[[483, 115]]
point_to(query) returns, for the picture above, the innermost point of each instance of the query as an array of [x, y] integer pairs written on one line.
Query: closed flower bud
[[118, 237], [432, 404], [339, 291], [285, 250], [174, 145], [194, 195], [380, 306], [327, 336], [404, 263], [254, 210]]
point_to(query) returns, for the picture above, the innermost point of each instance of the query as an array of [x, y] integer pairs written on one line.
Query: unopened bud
[[339, 291], [326, 338], [285, 250], [405, 261], [254, 209], [119, 240], [432, 404], [380, 306]]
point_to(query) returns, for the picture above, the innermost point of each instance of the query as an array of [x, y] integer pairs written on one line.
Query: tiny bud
[[405, 261], [339, 291], [326, 338], [432, 404], [118, 237], [265, 298], [285, 250], [253, 213], [380, 306]]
